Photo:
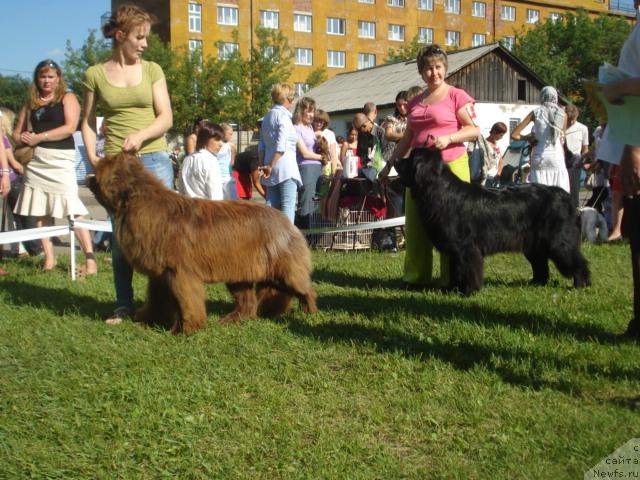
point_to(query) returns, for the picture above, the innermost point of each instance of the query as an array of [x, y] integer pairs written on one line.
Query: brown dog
[[180, 243], [321, 147]]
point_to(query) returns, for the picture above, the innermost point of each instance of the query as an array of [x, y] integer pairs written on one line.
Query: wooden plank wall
[[493, 79]]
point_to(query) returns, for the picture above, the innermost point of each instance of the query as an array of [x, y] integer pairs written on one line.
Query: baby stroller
[[515, 164]]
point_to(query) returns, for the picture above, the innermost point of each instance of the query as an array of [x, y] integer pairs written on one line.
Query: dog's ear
[[427, 162], [116, 179], [433, 158], [406, 170]]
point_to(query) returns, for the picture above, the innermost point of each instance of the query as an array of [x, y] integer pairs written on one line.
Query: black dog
[[468, 222]]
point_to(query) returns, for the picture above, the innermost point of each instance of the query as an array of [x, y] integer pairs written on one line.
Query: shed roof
[[351, 90]]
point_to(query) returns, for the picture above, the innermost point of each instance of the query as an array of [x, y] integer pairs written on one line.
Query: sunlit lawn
[[514, 382]]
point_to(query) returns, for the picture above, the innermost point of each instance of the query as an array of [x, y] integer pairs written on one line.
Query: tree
[[270, 62], [13, 91], [564, 52], [94, 50], [233, 89], [316, 77], [406, 52]]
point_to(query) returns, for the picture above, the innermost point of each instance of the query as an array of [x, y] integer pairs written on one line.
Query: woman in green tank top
[[133, 97]]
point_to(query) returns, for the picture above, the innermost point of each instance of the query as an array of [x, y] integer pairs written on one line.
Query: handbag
[[24, 153], [478, 160]]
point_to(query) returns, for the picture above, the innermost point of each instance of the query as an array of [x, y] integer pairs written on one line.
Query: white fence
[[105, 226]]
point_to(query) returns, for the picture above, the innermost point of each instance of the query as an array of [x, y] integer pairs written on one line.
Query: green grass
[[514, 382]]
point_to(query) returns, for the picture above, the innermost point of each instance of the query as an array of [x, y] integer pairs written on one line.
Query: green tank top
[[126, 109]]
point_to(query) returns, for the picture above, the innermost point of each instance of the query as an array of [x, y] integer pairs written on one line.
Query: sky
[[33, 30]]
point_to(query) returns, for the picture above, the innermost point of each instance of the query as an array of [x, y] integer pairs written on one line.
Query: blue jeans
[[159, 164], [283, 197]]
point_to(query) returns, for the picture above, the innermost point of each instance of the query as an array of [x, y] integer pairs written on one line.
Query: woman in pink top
[[442, 117]]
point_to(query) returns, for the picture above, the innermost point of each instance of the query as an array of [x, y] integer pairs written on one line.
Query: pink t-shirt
[[438, 119]]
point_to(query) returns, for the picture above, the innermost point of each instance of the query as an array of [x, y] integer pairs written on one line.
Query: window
[[478, 39], [555, 17], [227, 16], [301, 22], [195, 17], [509, 42], [425, 4], [522, 90], [335, 26], [228, 87], [304, 56], [301, 89], [366, 60], [513, 123], [533, 16], [452, 39], [425, 35], [269, 53], [395, 3], [269, 19], [478, 9], [335, 59], [367, 1], [396, 32], [452, 6], [508, 13], [195, 48], [226, 50], [366, 29]]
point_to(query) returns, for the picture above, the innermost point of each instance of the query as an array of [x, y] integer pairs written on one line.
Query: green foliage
[[516, 381], [93, 51], [316, 77], [270, 62], [182, 70], [571, 49], [232, 90], [235, 89], [405, 52], [159, 52], [13, 91]]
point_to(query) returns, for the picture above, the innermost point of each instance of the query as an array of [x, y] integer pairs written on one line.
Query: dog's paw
[[230, 319]]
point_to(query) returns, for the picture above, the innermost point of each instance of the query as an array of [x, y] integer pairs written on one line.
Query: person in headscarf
[[547, 155]]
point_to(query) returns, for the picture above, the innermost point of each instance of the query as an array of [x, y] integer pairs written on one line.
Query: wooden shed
[[504, 88]]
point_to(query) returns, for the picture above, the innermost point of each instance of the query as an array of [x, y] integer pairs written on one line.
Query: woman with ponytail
[[133, 97]]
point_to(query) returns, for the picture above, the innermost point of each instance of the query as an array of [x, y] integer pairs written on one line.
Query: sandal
[[83, 271], [51, 268], [118, 315]]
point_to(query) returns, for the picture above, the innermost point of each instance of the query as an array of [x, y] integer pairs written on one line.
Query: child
[[201, 170], [226, 158]]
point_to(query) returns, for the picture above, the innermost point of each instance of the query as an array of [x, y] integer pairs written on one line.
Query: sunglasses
[[48, 64]]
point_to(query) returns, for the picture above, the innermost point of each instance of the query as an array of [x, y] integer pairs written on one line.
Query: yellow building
[[344, 35]]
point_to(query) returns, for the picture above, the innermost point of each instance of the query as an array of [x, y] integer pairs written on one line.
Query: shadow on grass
[[451, 305], [348, 280], [60, 300], [511, 364]]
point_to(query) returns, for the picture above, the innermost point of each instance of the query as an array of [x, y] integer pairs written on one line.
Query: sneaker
[[118, 315]]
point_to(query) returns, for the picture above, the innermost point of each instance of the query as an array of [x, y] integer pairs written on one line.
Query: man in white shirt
[[577, 138]]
